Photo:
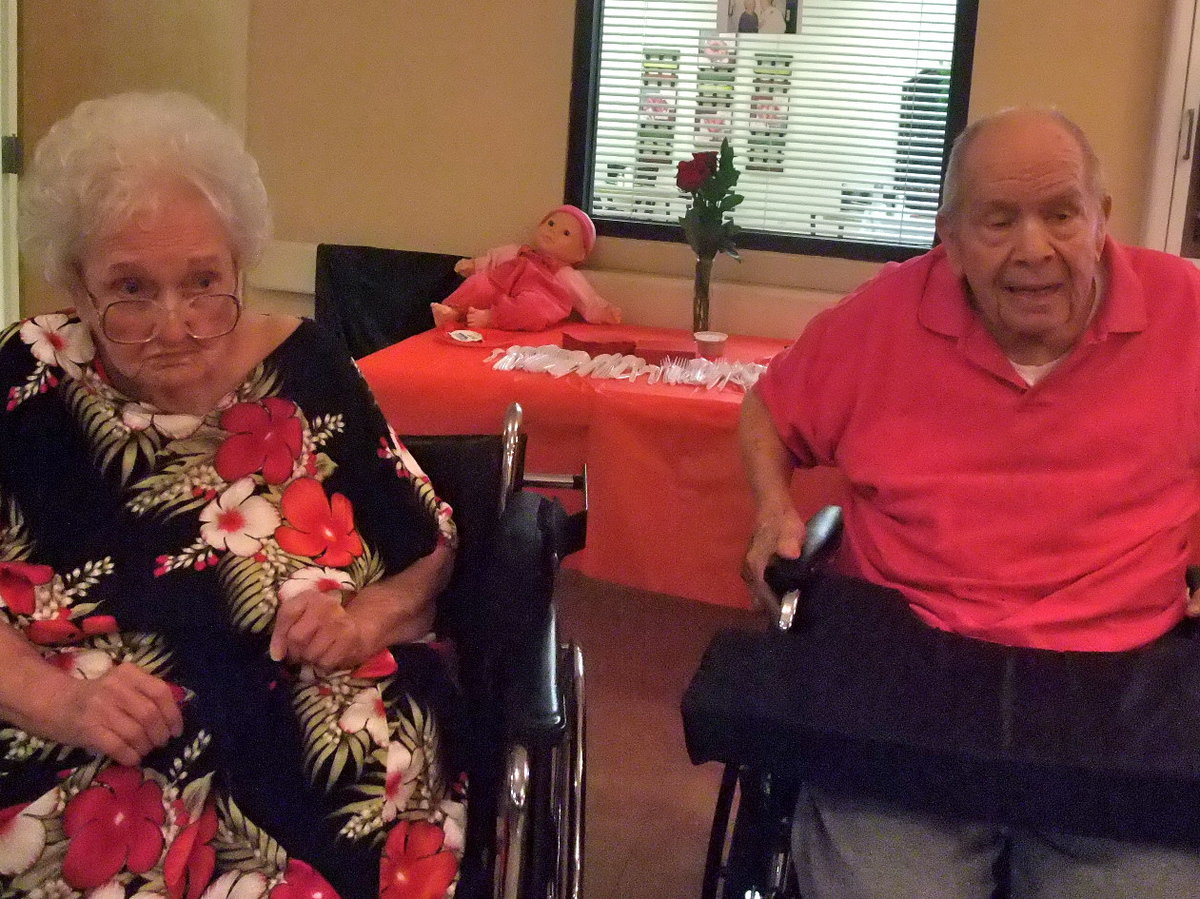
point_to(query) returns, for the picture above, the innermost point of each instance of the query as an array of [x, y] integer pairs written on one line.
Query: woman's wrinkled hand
[[315, 628], [123, 714], [779, 535]]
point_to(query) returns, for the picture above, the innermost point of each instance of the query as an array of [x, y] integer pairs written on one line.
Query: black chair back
[[374, 296]]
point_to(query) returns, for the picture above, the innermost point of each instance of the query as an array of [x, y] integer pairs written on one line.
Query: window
[[839, 127]]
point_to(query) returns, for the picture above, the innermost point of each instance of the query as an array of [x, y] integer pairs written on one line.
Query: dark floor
[[648, 808]]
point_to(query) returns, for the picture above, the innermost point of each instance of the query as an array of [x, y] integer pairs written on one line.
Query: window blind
[[838, 129]]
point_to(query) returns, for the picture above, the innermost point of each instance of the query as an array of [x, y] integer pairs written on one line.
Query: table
[[670, 508]]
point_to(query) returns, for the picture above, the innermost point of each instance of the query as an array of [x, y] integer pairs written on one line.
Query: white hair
[[954, 186], [111, 157]]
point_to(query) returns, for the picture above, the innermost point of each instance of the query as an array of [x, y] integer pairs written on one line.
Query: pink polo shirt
[[1053, 516]]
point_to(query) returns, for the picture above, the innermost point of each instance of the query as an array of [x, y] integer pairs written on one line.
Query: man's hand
[[778, 535], [123, 714], [479, 318], [465, 267], [314, 628]]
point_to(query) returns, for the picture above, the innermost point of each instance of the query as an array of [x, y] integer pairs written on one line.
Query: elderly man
[[1017, 415]]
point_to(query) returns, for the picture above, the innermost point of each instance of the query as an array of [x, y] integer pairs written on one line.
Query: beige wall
[[75, 49], [395, 123]]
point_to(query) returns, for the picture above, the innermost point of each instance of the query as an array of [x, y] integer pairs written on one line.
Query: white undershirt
[[1031, 374]]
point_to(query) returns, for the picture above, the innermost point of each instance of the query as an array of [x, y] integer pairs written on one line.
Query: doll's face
[[560, 235]]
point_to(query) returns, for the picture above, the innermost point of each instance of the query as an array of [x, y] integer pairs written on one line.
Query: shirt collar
[[945, 308]]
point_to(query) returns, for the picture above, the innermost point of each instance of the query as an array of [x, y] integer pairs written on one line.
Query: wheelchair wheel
[[753, 859], [541, 819]]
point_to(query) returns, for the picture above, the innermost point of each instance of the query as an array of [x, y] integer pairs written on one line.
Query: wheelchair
[[752, 860], [1092, 743], [523, 686]]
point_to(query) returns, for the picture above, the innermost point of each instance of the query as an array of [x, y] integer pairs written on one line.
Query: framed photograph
[[758, 16]]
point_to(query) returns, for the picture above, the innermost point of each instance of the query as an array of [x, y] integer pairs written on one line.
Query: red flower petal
[[244, 418], [238, 456], [16, 591], [299, 543], [301, 881], [114, 823], [190, 862], [318, 525], [278, 462], [93, 857], [381, 664], [304, 504], [53, 632], [99, 624], [414, 864], [342, 513], [424, 838], [8, 814]]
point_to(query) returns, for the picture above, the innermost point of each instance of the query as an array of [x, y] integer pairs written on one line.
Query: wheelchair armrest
[[533, 534]]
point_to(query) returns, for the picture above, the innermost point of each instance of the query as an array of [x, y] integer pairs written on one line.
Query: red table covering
[[670, 507]]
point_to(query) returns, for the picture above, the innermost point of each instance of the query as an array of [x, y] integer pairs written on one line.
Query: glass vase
[[700, 293]]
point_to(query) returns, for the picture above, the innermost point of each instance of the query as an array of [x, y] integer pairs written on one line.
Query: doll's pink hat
[[585, 222]]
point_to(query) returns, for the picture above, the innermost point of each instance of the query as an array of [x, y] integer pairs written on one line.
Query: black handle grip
[[823, 532]]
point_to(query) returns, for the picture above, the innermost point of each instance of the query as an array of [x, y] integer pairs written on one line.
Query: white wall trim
[[1163, 227]]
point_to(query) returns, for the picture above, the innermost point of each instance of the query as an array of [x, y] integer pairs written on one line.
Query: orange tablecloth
[[670, 507]]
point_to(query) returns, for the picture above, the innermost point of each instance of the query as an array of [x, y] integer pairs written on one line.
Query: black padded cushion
[[375, 296], [864, 696]]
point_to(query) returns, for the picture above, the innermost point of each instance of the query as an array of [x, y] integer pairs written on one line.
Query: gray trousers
[[856, 849]]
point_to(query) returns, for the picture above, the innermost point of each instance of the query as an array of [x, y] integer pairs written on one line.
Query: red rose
[[113, 825], [416, 863], [694, 172], [264, 437]]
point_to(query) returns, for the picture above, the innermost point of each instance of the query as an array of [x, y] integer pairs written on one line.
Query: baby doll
[[530, 288]]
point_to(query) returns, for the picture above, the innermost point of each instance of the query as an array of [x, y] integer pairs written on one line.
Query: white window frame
[[621, 169]]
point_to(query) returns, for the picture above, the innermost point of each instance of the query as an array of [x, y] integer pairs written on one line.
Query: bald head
[[1029, 128]]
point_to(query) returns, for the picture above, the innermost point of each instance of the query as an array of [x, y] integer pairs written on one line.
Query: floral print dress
[[131, 535]]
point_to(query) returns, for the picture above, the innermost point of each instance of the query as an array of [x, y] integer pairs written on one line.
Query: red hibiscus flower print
[[17, 580], [264, 437], [62, 631], [300, 881], [114, 824], [416, 863], [318, 527], [191, 859], [57, 631]]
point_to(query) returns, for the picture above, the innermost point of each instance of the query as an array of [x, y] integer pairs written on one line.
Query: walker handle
[[824, 530]]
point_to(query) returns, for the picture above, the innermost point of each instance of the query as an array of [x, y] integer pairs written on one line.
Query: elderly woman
[[218, 565]]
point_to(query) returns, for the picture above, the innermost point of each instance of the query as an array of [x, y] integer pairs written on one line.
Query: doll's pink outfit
[[529, 291]]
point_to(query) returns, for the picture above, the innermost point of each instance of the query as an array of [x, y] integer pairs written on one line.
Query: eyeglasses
[[205, 317]]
